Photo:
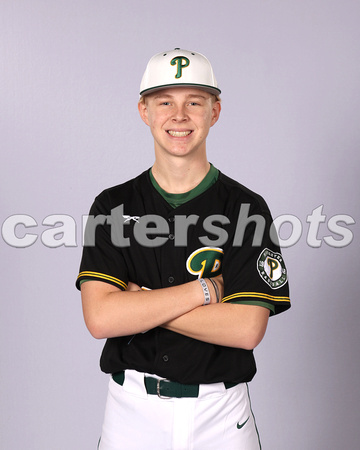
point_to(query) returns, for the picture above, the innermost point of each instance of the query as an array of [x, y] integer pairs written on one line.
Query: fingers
[[133, 287]]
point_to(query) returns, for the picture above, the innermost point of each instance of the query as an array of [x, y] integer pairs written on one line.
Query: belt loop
[[132, 382]]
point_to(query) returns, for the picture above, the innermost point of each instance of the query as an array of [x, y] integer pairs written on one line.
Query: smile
[[179, 133]]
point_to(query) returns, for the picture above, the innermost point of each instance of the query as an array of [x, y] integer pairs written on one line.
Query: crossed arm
[[110, 312]]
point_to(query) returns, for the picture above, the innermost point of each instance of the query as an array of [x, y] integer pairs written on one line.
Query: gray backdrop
[[70, 72]]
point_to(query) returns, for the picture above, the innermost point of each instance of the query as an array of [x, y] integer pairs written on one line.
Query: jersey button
[[171, 280], [165, 358]]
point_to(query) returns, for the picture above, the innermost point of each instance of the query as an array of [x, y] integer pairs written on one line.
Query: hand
[[133, 287]]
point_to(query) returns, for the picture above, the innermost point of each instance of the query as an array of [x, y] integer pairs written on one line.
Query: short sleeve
[[253, 269], [101, 259]]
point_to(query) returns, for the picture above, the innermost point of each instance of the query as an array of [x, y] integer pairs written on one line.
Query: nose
[[180, 114]]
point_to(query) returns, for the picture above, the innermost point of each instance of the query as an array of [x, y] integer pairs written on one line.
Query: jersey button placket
[[171, 221]]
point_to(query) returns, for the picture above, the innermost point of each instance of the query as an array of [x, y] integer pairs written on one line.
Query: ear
[[143, 111], [216, 109]]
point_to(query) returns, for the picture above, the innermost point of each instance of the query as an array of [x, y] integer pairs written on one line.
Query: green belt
[[165, 388]]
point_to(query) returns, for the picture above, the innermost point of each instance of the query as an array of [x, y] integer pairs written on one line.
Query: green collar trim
[[176, 200]]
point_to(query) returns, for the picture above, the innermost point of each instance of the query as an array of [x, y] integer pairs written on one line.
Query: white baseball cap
[[178, 68]]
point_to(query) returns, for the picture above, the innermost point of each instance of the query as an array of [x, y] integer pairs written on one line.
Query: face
[[180, 120]]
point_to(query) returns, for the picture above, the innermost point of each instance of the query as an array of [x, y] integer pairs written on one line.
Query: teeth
[[179, 133]]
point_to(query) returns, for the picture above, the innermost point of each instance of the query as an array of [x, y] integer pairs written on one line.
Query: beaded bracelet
[[206, 291]]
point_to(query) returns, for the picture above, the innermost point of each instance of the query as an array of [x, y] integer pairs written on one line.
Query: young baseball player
[[180, 273]]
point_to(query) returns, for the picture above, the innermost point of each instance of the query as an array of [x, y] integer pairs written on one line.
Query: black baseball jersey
[[134, 234]]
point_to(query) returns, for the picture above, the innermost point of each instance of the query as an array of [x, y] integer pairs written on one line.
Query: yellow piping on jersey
[[104, 277], [256, 295]]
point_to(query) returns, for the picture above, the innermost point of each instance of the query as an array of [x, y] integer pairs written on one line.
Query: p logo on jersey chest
[[205, 262]]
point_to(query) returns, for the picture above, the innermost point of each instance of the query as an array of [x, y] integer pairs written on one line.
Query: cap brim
[[209, 89]]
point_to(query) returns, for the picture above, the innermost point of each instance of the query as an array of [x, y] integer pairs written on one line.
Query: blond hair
[[216, 98]]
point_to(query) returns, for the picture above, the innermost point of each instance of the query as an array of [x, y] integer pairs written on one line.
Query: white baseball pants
[[217, 418]]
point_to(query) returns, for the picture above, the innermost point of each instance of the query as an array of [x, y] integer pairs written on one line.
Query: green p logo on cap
[[181, 62]]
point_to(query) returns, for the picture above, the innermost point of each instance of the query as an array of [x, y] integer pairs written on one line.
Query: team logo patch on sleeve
[[271, 268]]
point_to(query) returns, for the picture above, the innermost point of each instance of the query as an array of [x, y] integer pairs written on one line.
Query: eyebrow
[[171, 96]]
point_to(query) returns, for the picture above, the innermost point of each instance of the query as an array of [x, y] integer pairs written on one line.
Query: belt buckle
[[158, 388]]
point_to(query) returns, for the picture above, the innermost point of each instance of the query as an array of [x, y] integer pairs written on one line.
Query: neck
[[180, 176]]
